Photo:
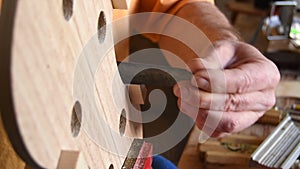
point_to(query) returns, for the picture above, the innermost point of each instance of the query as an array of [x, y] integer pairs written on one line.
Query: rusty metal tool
[[139, 155], [151, 75]]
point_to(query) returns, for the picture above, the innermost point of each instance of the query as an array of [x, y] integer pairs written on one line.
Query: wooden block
[[227, 147], [270, 117], [211, 146], [137, 94], [191, 159], [242, 139], [227, 158], [232, 153], [72, 160]]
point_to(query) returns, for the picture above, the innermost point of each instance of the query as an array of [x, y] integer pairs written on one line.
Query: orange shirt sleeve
[[166, 6], [163, 6]]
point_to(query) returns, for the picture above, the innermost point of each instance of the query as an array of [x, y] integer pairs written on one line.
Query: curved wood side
[[41, 49]]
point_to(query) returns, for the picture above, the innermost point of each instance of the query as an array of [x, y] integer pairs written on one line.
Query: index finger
[[245, 78], [247, 70]]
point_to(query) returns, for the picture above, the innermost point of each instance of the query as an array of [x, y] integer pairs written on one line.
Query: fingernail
[[180, 91], [202, 83], [203, 137], [176, 90]]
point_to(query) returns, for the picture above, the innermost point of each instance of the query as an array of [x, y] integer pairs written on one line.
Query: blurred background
[[247, 19]]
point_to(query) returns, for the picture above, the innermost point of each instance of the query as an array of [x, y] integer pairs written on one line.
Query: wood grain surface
[[45, 46]]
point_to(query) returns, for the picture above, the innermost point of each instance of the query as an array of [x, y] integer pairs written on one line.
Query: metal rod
[[259, 153], [281, 148]]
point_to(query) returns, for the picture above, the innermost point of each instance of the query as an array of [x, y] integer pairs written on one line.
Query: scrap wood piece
[[137, 94], [72, 160], [224, 147], [242, 138], [227, 158], [272, 117], [211, 146], [226, 153]]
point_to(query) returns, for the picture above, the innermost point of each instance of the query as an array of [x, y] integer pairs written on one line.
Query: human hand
[[234, 85]]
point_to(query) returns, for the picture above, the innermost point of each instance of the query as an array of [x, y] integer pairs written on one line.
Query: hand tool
[[152, 75], [281, 148]]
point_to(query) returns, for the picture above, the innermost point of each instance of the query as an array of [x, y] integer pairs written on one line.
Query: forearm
[[209, 19]]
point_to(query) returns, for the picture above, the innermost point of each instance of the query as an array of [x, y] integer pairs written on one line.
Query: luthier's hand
[[247, 82]]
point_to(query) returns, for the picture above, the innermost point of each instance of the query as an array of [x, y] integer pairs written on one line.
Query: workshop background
[[247, 22]]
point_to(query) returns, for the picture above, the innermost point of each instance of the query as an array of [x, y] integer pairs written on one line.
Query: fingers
[[233, 84], [225, 54], [227, 122], [215, 57], [245, 78], [220, 114], [218, 123], [244, 70], [252, 101]]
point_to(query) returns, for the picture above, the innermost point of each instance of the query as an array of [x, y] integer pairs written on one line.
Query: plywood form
[[42, 45]]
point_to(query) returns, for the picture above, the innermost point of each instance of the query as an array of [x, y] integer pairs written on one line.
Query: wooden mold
[[48, 113]]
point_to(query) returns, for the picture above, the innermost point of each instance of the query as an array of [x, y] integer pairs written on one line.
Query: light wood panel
[[46, 46]]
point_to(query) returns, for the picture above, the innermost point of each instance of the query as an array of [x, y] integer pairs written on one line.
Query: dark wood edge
[[9, 8]]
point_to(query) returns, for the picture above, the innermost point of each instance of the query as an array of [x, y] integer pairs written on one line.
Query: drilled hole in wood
[[122, 124], [101, 27], [68, 9], [76, 119], [111, 166]]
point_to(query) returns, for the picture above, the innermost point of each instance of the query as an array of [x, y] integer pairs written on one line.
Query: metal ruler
[[281, 148]]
